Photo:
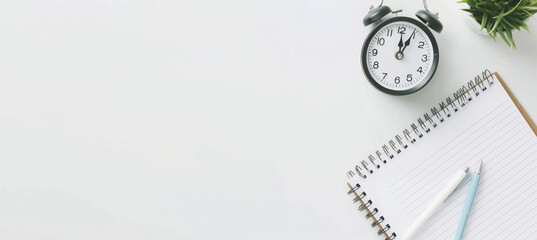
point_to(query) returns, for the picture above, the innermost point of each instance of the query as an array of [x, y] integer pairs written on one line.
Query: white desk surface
[[206, 119]]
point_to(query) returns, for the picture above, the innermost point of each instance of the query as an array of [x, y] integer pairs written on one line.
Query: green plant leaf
[[508, 25], [525, 26], [496, 24], [504, 38], [501, 17], [489, 27], [528, 8], [483, 22], [509, 36], [519, 23], [508, 12]]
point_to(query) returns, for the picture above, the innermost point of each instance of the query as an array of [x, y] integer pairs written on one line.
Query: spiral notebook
[[482, 121]]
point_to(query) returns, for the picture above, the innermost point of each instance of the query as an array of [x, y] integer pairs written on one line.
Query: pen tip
[[466, 170], [478, 171]]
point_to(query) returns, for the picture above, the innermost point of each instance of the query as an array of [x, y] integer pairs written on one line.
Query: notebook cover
[[517, 104]]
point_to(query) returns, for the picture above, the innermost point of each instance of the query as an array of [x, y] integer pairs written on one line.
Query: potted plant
[[501, 17]]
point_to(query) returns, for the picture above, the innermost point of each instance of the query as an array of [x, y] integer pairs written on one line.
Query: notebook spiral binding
[[445, 109]]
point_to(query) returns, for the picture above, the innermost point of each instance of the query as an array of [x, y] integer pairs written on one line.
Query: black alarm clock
[[400, 55]]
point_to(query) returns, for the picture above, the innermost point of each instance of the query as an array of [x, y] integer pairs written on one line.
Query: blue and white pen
[[468, 204]]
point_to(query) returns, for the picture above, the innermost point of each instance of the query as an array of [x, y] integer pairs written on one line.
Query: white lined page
[[489, 128]]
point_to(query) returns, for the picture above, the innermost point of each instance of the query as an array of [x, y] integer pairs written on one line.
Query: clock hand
[[407, 42], [400, 43]]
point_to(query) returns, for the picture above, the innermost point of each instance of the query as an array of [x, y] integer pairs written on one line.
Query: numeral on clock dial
[[424, 58], [381, 41], [421, 44]]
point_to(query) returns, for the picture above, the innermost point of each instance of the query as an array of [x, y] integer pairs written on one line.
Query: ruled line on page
[[453, 140], [458, 194], [483, 192], [502, 205], [422, 180], [432, 175], [472, 127], [421, 203]]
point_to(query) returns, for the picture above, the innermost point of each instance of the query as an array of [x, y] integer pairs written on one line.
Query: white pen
[[435, 204]]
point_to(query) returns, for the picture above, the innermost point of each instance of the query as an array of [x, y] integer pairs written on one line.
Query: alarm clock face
[[400, 56]]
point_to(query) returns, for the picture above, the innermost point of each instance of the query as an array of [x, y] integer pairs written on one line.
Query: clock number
[[401, 30], [397, 80], [414, 34], [380, 41], [374, 52], [424, 58], [421, 44], [376, 65], [420, 70], [389, 33], [409, 77], [385, 74]]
